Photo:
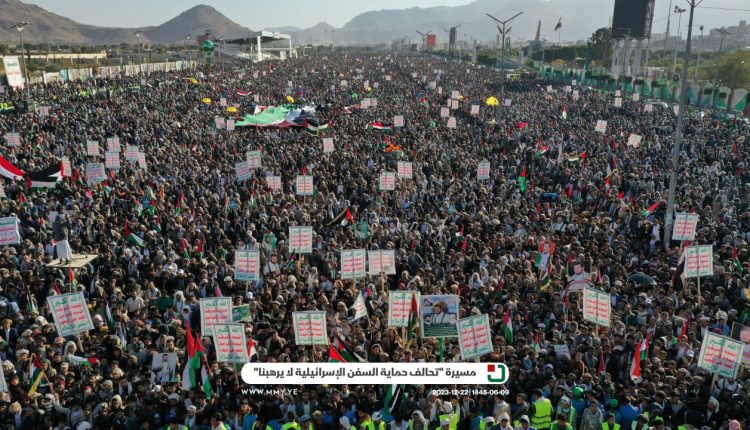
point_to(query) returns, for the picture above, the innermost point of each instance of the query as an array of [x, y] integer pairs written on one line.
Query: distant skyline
[[258, 15]]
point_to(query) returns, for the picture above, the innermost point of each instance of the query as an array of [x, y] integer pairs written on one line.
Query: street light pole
[[503, 35], [714, 82], [677, 150], [20, 26], [677, 9]]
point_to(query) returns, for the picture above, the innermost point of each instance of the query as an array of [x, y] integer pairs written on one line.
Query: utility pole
[[700, 54], [715, 82], [503, 35], [666, 33], [677, 150]]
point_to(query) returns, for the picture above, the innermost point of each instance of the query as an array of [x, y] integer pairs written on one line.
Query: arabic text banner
[[374, 373]]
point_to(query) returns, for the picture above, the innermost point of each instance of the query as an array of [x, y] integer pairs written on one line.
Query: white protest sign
[[549, 88], [230, 343], [720, 355], [597, 306], [253, 159], [327, 145], [398, 121], [618, 101], [9, 232], [444, 112], [381, 261], [648, 108], [601, 126], [360, 310], [699, 261], [43, 111], [475, 109], [432, 85], [575, 95], [387, 77], [636, 97], [344, 83], [300, 239], [220, 122], [2, 195], [353, 263], [405, 170], [214, 310], [230, 124], [507, 102], [92, 148], [67, 170], [13, 139], [310, 328], [246, 265], [142, 160], [95, 173], [634, 140], [483, 170], [455, 94], [113, 144], [70, 313], [112, 160], [452, 122], [131, 153], [618, 93], [685, 225], [304, 185], [274, 183], [454, 104], [387, 181], [474, 336], [676, 109], [399, 307], [562, 350], [242, 170]]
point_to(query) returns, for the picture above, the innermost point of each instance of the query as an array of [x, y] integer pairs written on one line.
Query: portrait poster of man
[[164, 368], [742, 333], [545, 252], [579, 275], [439, 314]]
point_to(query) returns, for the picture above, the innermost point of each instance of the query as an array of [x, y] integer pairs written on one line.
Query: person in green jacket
[[561, 423]]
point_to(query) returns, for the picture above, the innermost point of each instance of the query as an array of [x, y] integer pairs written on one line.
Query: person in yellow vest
[[541, 411], [217, 422], [417, 421], [291, 422], [345, 424], [260, 424], [305, 423], [609, 423], [641, 423], [564, 408], [364, 420], [445, 424], [174, 425], [377, 419], [561, 423]]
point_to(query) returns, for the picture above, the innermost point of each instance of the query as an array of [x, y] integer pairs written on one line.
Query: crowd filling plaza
[[362, 207]]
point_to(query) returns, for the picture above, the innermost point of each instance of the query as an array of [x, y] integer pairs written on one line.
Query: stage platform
[[78, 261]]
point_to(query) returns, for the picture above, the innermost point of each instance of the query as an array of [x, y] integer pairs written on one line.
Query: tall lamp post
[[724, 34], [137, 35], [503, 34], [20, 26], [680, 11], [187, 45], [678, 135]]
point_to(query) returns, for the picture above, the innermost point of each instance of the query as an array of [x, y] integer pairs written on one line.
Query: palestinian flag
[[188, 376], [392, 400], [380, 126], [344, 218], [602, 368], [541, 149], [612, 167], [581, 156], [314, 127], [8, 170], [205, 381], [243, 93], [640, 354], [507, 327], [565, 112], [651, 209], [132, 237], [522, 180], [545, 282], [334, 356], [83, 361], [252, 351], [345, 350], [413, 313], [47, 178], [522, 125], [36, 374]]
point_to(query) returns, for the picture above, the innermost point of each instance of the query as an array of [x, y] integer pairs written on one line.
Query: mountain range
[[382, 26]]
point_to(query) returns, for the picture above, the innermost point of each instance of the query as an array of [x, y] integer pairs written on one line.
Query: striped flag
[[508, 326], [392, 400], [334, 356], [640, 354], [36, 374]]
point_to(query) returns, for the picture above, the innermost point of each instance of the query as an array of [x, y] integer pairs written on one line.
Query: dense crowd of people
[[591, 194]]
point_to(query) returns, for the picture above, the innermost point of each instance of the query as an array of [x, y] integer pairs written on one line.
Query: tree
[[601, 46], [734, 70]]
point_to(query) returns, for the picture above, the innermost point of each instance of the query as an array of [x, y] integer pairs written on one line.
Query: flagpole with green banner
[[441, 348]]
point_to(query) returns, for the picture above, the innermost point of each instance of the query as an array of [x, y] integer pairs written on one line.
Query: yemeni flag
[[344, 218], [252, 351], [8, 170], [188, 376], [334, 356], [345, 350], [651, 208], [392, 401], [640, 354], [522, 180], [380, 126], [36, 374], [47, 178], [508, 326], [521, 125], [579, 157], [243, 93]]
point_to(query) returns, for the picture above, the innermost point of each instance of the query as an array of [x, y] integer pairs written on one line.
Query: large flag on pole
[[508, 326], [392, 400], [36, 373], [640, 354]]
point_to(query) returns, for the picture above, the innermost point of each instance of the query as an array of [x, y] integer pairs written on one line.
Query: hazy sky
[[257, 14]]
